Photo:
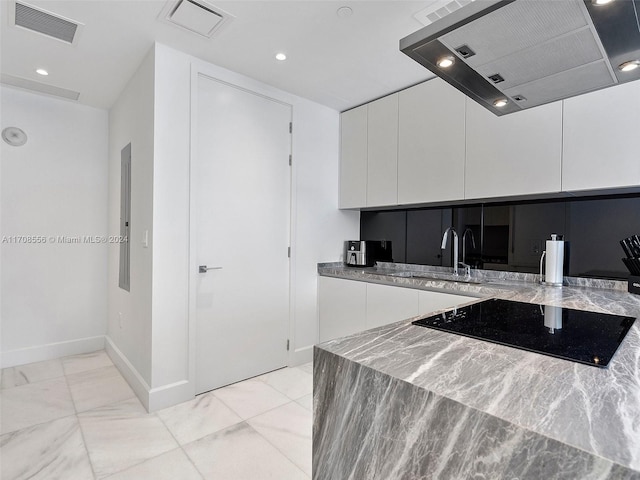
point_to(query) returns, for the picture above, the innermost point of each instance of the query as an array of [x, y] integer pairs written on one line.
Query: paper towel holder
[[555, 277]]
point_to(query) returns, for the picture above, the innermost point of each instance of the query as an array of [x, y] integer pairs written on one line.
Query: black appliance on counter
[[577, 335], [365, 253]]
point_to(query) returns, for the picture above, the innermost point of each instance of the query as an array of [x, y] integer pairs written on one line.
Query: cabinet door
[[341, 307], [516, 154], [431, 143], [353, 158], [600, 134], [382, 171], [386, 304], [432, 301]]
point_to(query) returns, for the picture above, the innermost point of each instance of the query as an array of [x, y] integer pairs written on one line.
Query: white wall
[[129, 331], [54, 298], [171, 227]]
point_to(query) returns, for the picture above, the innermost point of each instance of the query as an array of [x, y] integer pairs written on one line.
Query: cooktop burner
[[577, 335]]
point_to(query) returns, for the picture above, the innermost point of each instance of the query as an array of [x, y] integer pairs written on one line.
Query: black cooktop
[[577, 335]]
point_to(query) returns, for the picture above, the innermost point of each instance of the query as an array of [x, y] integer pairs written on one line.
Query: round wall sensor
[[344, 12], [14, 136]]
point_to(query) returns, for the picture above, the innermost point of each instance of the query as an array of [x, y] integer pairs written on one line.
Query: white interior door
[[242, 202]]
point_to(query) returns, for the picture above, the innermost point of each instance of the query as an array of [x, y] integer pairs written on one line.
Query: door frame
[[212, 72]]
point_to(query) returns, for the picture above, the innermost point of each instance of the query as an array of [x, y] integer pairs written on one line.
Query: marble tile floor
[[76, 418]]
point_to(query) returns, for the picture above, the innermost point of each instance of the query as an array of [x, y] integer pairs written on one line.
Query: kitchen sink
[[446, 277]]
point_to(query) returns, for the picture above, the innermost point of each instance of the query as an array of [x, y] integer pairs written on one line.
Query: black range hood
[[531, 52]]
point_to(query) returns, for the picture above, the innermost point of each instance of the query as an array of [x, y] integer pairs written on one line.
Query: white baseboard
[[300, 356], [172, 394], [128, 371], [152, 398], [39, 353]]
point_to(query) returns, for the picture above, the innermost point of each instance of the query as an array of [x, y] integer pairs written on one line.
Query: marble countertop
[[594, 409]]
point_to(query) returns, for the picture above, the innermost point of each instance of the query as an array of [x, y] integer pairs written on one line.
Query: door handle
[[205, 269]]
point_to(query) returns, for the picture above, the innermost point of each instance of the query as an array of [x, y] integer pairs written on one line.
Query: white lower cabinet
[[342, 307], [432, 301], [348, 306], [387, 304]]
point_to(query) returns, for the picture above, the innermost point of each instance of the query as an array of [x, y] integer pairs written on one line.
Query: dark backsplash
[[511, 236]]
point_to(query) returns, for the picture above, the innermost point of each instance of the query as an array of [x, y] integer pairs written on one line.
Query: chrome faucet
[[455, 247], [467, 269], [464, 243]]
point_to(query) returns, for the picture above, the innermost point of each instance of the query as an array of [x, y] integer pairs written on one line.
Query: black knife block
[[631, 247]]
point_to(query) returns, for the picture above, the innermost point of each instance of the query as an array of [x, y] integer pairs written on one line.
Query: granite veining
[[368, 425], [497, 411]]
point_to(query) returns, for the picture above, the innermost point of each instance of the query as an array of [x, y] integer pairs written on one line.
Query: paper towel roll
[[554, 262], [552, 318]]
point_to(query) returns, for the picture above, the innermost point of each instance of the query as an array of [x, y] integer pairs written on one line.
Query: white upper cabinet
[[382, 170], [601, 131], [431, 149], [353, 158], [430, 143], [516, 154]]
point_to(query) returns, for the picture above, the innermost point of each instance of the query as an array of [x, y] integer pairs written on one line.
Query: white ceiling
[[339, 62]]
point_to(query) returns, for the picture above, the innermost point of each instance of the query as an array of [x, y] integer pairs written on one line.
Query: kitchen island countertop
[[548, 407]]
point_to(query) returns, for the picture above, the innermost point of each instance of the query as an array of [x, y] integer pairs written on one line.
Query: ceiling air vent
[[196, 16], [43, 22], [437, 9]]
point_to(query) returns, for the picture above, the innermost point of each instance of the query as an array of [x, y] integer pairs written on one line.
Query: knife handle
[[632, 265], [626, 248], [635, 246]]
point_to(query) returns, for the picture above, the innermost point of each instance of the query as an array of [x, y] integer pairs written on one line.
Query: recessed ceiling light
[[501, 102], [42, 71], [281, 56], [628, 66], [601, 2], [446, 62]]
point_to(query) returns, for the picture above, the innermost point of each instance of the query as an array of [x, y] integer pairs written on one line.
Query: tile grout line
[[277, 448], [47, 421], [147, 414], [84, 441], [2, 377], [181, 446], [258, 414], [105, 404], [38, 424], [95, 475]]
